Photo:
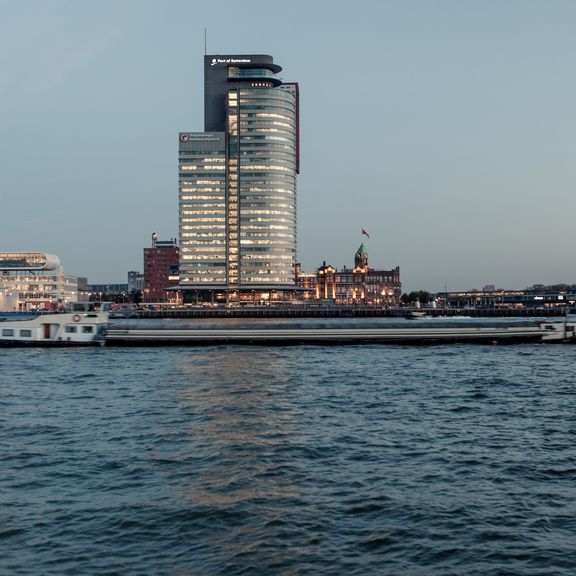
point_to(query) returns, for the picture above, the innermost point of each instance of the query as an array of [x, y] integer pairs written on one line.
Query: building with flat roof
[[237, 184], [160, 270], [34, 281], [135, 281]]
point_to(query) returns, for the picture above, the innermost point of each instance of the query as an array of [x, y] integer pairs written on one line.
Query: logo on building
[[230, 61], [184, 137]]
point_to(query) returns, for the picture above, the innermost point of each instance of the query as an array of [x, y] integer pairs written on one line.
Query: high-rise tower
[[237, 185]]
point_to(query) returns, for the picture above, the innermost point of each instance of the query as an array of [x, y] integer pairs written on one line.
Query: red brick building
[[160, 270]]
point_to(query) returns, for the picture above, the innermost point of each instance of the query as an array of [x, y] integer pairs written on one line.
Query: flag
[[365, 233]]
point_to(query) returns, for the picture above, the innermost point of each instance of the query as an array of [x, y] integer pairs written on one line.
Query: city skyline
[[444, 129]]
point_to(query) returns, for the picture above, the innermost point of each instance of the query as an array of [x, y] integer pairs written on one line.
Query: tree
[[136, 296], [421, 296]]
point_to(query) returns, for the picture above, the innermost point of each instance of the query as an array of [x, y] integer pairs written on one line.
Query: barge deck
[[304, 333]]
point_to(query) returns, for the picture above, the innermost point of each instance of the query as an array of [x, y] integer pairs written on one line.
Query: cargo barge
[[313, 332]]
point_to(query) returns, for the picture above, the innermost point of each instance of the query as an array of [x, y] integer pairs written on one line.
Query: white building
[[34, 281]]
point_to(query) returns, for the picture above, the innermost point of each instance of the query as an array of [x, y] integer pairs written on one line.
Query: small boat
[[414, 314], [83, 324]]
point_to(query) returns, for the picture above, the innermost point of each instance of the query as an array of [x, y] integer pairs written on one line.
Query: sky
[[444, 128]]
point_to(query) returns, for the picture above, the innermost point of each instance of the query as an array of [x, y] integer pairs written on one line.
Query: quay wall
[[342, 312]]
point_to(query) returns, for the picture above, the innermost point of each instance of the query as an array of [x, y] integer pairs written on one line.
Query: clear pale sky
[[445, 128]]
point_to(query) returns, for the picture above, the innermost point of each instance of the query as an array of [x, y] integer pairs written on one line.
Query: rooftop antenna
[[205, 51]]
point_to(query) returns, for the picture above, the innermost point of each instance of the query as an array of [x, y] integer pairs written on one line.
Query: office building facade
[[237, 184]]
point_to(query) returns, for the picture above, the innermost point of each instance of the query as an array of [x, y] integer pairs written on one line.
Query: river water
[[441, 460]]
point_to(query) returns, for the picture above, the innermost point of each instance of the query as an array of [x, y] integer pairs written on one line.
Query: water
[[445, 460]]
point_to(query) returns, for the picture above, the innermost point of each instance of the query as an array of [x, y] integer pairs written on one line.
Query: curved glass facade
[[238, 197], [267, 191]]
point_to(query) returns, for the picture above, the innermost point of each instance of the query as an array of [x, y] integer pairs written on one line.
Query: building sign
[[202, 141], [201, 136], [230, 61]]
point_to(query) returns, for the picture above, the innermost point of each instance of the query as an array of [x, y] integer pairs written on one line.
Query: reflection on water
[[242, 401]]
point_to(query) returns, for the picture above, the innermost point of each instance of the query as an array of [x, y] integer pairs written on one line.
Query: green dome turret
[[361, 256]]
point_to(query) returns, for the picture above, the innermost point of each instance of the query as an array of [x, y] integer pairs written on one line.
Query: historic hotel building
[[359, 285], [237, 185]]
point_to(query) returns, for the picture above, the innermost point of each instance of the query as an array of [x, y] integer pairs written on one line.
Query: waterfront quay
[[343, 312]]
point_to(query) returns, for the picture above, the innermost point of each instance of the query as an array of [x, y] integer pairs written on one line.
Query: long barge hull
[[50, 343], [287, 336]]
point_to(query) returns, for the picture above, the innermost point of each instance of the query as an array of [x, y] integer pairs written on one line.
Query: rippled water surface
[[298, 460]]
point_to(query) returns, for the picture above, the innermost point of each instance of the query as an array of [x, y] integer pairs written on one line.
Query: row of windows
[[267, 100], [190, 216], [248, 208], [193, 240], [214, 182], [190, 164], [205, 249], [248, 197], [269, 241], [202, 267], [22, 333], [208, 220], [263, 123], [288, 279], [270, 179], [204, 159], [267, 149], [207, 228], [267, 191], [213, 197], [265, 256], [195, 203], [199, 258], [25, 333], [267, 115], [246, 129], [253, 201], [198, 241], [189, 212], [255, 155], [203, 234], [255, 212], [74, 329], [266, 167], [251, 260], [270, 227], [267, 205], [208, 280]]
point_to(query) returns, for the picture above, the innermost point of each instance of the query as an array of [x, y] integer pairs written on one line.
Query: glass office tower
[[238, 184]]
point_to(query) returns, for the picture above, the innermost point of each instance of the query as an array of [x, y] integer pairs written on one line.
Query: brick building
[[160, 270], [358, 285]]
